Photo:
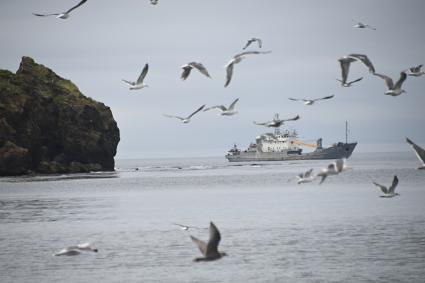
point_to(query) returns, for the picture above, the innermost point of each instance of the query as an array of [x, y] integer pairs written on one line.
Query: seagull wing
[[388, 80], [76, 6], [248, 43], [393, 185], [383, 188], [45, 15], [186, 72], [420, 152], [365, 60], [229, 74], [201, 68], [416, 69], [308, 173], [202, 246], [197, 110], [294, 99], [221, 107], [251, 53], [400, 81], [323, 98], [339, 165], [324, 175], [232, 106], [128, 82], [345, 68], [260, 43], [143, 74], [261, 124], [172, 116], [291, 119], [214, 240], [359, 79]]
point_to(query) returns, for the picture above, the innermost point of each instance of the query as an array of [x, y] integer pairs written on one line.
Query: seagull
[[345, 84], [189, 66], [252, 40], [185, 120], [415, 71], [154, 2], [276, 122], [345, 62], [311, 101], [76, 250], [362, 25], [420, 152], [64, 15], [334, 168], [305, 177], [225, 111], [185, 227], [393, 89], [236, 59], [388, 192], [209, 250], [139, 83]]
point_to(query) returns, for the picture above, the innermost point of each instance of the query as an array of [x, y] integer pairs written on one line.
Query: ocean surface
[[273, 230]]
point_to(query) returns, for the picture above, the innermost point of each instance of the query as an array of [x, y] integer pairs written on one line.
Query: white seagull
[[76, 250], [64, 15], [305, 177], [393, 89], [209, 250], [311, 101], [420, 152], [139, 83], [415, 71], [224, 110], [334, 168], [276, 122], [185, 227], [252, 40], [345, 62], [189, 66], [185, 120], [362, 25], [388, 192], [236, 59]]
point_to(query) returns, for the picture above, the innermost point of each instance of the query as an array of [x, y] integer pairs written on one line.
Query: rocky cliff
[[48, 126]]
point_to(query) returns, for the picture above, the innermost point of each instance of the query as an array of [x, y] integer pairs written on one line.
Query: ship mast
[[276, 130], [346, 132]]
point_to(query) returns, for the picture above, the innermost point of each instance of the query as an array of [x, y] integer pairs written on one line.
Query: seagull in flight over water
[[345, 62], [252, 40], [235, 60], [64, 15], [189, 66], [305, 177], [209, 250], [388, 192], [415, 71], [362, 25], [334, 168], [185, 227], [276, 122], [76, 250], [393, 89], [139, 83], [311, 101], [420, 152], [185, 120], [224, 110]]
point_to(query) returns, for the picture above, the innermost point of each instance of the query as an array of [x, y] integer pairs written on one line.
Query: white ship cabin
[[278, 142]]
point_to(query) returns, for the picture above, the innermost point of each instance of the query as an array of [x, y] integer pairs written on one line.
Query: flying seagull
[[276, 122], [393, 89], [415, 71], [362, 25], [224, 110], [76, 250], [311, 101], [388, 192], [305, 177], [334, 168], [236, 59], [154, 2], [345, 62], [209, 250], [64, 15], [420, 152], [189, 66], [139, 83], [185, 227], [252, 40], [185, 120], [348, 84]]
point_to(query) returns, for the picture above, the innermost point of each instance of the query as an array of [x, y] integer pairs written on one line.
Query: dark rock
[[48, 126]]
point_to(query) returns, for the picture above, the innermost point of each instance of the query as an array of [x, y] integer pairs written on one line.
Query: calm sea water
[[272, 229]]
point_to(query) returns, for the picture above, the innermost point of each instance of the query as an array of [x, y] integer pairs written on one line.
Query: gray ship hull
[[340, 150]]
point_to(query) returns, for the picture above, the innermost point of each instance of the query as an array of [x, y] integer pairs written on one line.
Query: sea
[[272, 229]]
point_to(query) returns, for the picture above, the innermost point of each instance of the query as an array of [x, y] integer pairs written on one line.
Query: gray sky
[[104, 41]]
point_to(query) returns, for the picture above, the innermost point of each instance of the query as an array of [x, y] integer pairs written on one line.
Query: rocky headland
[[48, 126]]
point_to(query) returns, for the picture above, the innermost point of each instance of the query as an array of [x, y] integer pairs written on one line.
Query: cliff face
[[48, 126]]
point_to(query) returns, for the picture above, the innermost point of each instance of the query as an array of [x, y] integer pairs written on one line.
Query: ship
[[282, 146]]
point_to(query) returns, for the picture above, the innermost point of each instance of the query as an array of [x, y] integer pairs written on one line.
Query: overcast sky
[[105, 41]]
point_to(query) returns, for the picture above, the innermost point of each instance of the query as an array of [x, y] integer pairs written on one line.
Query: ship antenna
[[346, 132]]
